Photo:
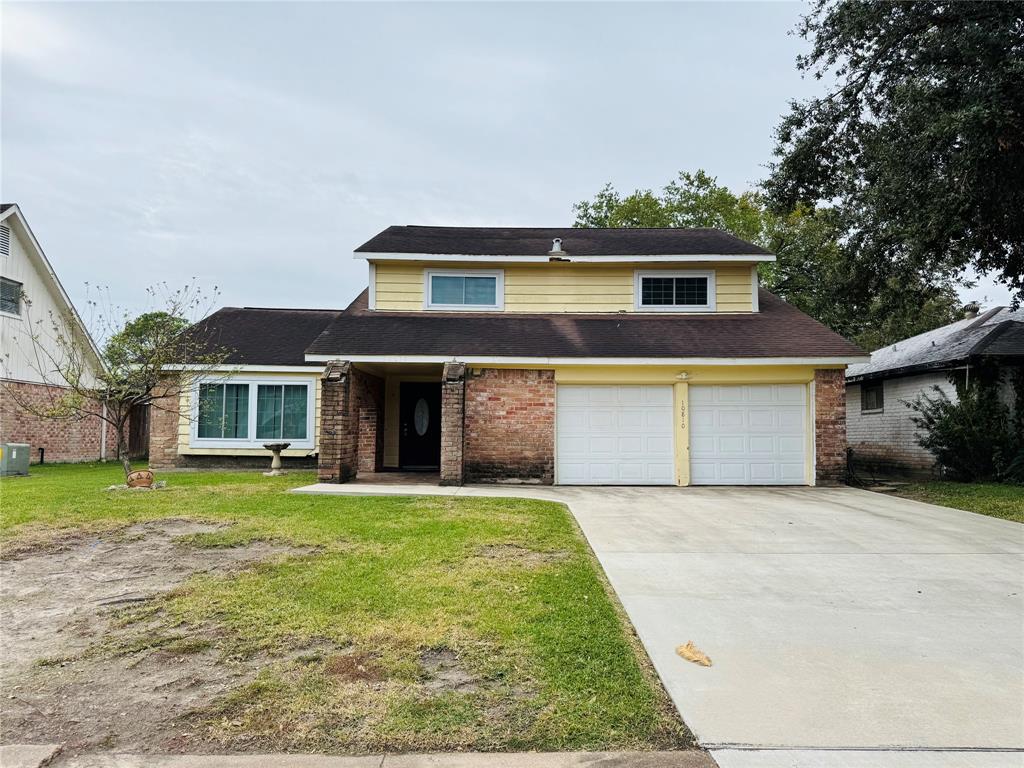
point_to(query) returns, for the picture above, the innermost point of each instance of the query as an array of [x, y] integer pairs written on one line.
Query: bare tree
[[147, 360]]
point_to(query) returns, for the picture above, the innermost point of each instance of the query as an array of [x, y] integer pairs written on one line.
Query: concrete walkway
[[846, 628]]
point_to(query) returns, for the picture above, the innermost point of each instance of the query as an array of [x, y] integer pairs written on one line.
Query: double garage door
[[739, 435]]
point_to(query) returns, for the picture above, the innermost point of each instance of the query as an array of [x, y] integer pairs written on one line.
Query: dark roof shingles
[[257, 336], [536, 241], [778, 330]]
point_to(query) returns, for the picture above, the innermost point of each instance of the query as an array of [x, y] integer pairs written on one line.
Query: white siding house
[[879, 428], [31, 297]]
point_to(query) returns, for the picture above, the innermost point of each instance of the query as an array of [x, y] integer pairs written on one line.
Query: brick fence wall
[[509, 426], [63, 439], [830, 425]]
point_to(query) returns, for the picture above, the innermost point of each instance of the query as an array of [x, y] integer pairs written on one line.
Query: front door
[[419, 424]]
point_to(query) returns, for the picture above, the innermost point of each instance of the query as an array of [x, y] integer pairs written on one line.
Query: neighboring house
[[879, 426], [570, 356], [30, 294]]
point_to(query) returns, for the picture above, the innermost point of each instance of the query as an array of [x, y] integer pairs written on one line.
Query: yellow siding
[[560, 287], [185, 424]]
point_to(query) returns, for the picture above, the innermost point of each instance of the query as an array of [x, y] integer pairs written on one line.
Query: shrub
[[978, 437]]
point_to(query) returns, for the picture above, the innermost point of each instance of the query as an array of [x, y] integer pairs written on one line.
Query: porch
[[441, 423], [386, 423]]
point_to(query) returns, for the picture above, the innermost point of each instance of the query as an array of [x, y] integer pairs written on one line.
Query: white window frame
[[640, 274], [251, 442], [499, 289]]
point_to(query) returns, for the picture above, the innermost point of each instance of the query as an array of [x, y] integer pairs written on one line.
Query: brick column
[[338, 427], [830, 425], [453, 403], [164, 419]]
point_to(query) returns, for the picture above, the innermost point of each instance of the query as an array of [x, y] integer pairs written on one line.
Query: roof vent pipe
[[556, 246], [971, 310]]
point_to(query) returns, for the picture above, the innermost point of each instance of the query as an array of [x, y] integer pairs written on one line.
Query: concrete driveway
[[838, 620], [846, 628]]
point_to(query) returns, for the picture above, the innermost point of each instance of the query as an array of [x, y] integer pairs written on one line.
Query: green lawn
[[388, 579], [993, 499]]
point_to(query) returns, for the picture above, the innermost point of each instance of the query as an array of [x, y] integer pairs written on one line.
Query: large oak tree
[[919, 145]]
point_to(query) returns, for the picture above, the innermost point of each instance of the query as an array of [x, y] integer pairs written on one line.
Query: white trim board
[[673, 361], [566, 257]]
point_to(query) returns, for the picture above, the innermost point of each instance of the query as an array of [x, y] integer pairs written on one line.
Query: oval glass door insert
[[421, 417]]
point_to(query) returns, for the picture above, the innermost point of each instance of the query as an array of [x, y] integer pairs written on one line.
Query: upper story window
[[246, 414], [681, 291], [872, 396], [465, 289], [10, 296]]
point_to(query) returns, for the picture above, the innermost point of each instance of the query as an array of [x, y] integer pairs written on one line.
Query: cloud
[[38, 39]]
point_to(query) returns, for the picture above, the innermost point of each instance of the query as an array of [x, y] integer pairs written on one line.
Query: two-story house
[[569, 356]]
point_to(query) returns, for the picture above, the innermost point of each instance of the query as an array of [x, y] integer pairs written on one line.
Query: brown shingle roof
[[778, 330], [536, 241]]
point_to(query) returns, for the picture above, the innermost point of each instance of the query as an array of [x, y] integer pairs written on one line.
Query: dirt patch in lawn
[[445, 672], [74, 674], [522, 556]]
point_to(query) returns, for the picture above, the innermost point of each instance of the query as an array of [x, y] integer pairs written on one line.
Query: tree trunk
[[122, 450]]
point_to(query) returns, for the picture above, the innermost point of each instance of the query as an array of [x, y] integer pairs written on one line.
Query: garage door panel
[[624, 436], [728, 418], [749, 434]]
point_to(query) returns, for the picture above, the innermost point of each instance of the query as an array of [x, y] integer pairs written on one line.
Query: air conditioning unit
[[13, 459]]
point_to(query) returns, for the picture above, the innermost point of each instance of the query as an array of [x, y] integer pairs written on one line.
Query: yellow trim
[[681, 408], [556, 287]]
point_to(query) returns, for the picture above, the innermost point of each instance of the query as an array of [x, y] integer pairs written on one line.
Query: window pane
[[268, 412], [691, 291], [656, 291], [447, 290], [482, 290], [294, 419], [10, 296], [236, 410], [211, 409]]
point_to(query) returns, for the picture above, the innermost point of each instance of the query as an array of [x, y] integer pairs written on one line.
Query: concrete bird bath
[[275, 464]]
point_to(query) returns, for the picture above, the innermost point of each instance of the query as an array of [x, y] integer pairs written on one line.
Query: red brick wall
[[830, 425], [509, 426], [62, 439]]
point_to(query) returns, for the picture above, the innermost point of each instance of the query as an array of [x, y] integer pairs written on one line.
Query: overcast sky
[[254, 146]]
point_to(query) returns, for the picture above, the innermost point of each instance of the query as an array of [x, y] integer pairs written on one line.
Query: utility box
[[13, 459]]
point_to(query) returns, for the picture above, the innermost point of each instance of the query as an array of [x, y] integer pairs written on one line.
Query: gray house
[[879, 428]]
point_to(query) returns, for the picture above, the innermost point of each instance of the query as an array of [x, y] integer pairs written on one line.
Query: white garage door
[[610, 435], [748, 435]]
